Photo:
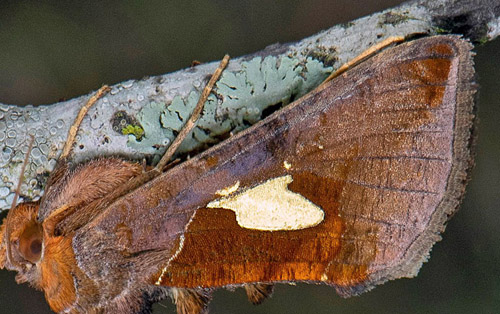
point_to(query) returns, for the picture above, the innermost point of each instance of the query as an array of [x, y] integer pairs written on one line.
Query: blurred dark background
[[50, 52]]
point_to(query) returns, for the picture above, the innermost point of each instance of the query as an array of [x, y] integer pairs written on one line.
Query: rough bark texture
[[140, 118]]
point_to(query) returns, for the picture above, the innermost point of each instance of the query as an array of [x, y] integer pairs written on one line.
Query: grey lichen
[[393, 18], [262, 83], [243, 96], [250, 87]]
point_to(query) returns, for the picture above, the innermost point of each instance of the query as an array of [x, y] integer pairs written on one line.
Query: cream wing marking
[[228, 190], [271, 206]]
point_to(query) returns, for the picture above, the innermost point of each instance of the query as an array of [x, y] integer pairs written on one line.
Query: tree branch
[[141, 118]]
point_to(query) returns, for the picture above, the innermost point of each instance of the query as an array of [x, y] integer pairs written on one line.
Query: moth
[[349, 186]]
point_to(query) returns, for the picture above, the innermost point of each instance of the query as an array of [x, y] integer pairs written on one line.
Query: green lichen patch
[[441, 31], [126, 124], [483, 40], [134, 130]]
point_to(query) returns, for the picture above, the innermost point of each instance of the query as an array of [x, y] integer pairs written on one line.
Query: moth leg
[[364, 55], [73, 130], [258, 292], [191, 122], [191, 301]]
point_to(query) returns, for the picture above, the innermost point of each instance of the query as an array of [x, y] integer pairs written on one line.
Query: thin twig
[[191, 122], [363, 56], [70, 140]]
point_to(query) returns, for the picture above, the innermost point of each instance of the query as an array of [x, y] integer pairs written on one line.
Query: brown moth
[[348, 186]]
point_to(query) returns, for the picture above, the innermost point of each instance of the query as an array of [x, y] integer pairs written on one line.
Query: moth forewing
[[377, 156]]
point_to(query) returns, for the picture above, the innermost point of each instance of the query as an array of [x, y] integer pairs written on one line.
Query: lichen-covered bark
[[140, 118]]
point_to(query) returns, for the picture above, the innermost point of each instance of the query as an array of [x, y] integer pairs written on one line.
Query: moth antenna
[[73, 130], [191, 122], [14, 203]]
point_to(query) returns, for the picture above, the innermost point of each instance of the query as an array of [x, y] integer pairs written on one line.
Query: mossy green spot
[[134, 130], [441, 31], [483, 40]]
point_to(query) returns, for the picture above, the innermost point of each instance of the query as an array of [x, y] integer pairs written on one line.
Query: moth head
[[21, 243]]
